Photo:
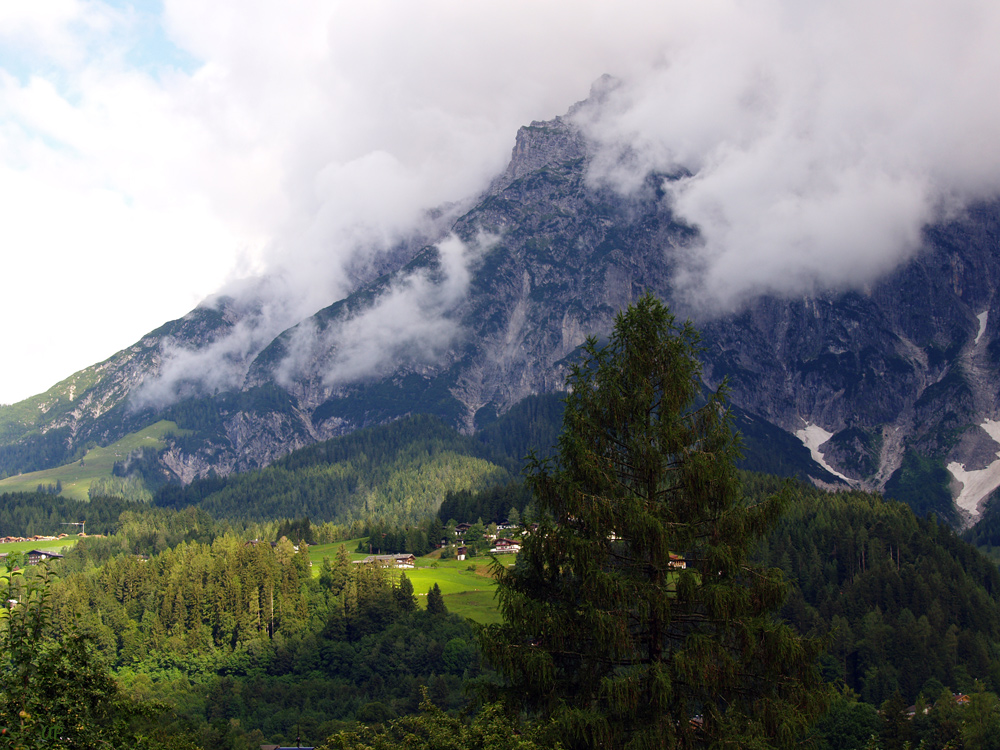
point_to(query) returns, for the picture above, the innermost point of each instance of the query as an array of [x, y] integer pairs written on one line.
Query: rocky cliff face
[[909, 364], [545, 258]]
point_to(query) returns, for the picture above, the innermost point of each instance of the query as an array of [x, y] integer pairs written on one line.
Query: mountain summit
[[891, 386]]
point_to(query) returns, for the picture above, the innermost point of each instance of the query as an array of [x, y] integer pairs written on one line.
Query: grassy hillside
[[77, 477], [24, 416], [467, 586], [59, 545], [396, 473]]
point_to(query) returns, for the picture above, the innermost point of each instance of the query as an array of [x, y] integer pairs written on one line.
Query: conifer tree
[[403, 594], [635, 618], [435, 601]]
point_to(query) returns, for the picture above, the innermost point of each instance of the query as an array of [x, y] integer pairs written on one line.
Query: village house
[[505, 546], [36, 556], [389, 561]]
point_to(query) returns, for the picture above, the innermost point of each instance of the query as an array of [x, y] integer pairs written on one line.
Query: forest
[[190, 618]]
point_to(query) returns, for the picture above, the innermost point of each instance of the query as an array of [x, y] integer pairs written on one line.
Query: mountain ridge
[[546, 257]]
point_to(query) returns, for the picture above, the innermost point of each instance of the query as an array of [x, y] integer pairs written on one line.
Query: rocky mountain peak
[[892, 387]]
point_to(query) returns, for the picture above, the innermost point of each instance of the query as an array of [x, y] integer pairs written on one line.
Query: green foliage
[[229, 630], [26, 514], [55, 691], [403, 593], [144, 464], [381, 401], [847, 725], [902, 600], [530, 426], [435, 601], [603, 635], [141, 530], [130, 488], [396, 474], [491, 729], [493, 504], [923, 484], [383, 539], [941, 723], [298, 531], [91, 461]]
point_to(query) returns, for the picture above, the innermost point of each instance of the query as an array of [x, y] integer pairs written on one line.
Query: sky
[[153, 154]]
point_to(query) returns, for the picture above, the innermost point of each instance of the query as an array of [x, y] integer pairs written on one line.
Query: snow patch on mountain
[[812, 437], [977, 485], [983, 316]]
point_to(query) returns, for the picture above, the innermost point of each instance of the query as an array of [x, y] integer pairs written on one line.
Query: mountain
[[892, 387]]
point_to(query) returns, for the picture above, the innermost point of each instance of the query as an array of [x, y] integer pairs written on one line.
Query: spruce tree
[[403, 594], [435, 601], [635, 617]]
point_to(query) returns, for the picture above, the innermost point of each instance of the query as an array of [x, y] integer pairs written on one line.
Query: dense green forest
[[398, 473], [243, 643], [29, 514], [904, 605], [903, 601], [199, 621]]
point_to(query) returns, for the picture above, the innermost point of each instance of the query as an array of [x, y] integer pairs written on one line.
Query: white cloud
[[820, 137], [410, 322], [289, 139]]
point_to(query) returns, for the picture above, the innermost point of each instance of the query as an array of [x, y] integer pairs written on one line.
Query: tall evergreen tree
[[605, 633], [403, 594], [435, 601]]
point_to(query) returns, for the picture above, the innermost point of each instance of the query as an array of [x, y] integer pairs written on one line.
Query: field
[[318, 551], [467, 587], [467, 592], [77, 477], [26, 546]]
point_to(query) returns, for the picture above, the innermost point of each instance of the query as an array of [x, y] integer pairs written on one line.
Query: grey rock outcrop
[[910, 364]]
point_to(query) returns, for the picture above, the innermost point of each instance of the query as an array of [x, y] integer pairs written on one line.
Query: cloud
[[158, 155], [152, 158], [816, 140], [409, 323], [220, 361]]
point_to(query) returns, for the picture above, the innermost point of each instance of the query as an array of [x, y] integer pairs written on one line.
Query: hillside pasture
[[77, 477], [56, 545], [319, 551], [466, 586]]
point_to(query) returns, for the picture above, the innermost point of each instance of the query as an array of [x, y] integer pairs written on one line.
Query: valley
[[790, 534]]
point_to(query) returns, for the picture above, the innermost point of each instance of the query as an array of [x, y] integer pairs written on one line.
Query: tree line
[[663, 600], [397, 474]]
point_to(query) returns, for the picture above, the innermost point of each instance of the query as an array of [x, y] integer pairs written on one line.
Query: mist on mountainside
[[813, 146]]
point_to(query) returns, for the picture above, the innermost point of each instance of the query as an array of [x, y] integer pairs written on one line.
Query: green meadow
[[58, 544], [467, 587], [318, 551], [77, 477]]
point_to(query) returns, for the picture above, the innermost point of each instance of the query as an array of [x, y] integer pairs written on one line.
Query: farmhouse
[[36, 556], [505, 546], [389, 561]]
